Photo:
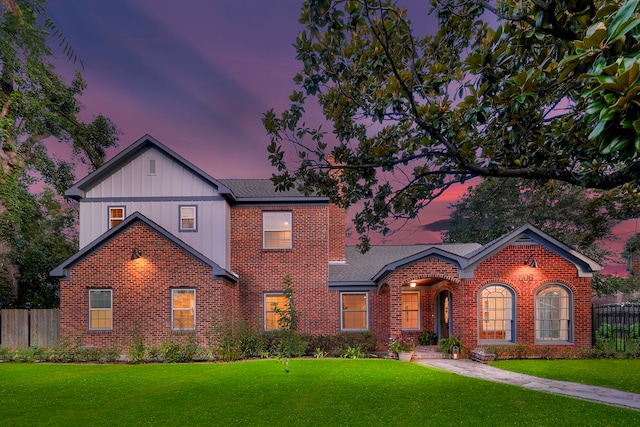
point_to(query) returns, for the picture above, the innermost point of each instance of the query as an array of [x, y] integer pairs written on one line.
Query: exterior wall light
[[137, 253], [531, 262], [412, 284]]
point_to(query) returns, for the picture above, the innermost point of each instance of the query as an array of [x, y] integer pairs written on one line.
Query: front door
[[443, 314]]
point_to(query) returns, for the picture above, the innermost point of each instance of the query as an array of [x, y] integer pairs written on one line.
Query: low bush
[[428, 338]]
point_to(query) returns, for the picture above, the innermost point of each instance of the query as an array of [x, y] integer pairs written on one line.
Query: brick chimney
[[337, 229], [337, 234]]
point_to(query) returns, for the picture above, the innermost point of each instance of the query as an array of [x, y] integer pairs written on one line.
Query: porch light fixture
[[137, 253], [531, 262], [412, 284]]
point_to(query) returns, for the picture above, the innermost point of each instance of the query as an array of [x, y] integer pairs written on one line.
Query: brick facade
[[263, 270], [141, 292], [318, 264]]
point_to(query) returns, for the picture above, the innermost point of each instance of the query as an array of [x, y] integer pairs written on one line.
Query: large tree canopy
[[533, 89], [497, 206], [38, 109]]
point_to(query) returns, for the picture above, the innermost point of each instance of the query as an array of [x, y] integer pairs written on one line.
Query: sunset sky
[[198, 76]]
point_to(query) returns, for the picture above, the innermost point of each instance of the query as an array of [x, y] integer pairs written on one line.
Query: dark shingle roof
[[362, 268], [264, 189]]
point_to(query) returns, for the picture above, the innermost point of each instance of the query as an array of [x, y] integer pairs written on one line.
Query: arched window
[[554, 313], [496, 313]]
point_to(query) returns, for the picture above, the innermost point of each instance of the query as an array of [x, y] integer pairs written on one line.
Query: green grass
[[621, 374], [315, 392]]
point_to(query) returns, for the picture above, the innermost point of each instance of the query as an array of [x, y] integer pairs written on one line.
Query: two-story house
[[166, 248]]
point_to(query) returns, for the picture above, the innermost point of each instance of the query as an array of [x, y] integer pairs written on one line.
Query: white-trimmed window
[[116, 215], [496, 313], [188, 218], [354, 311], [553, 314], [273, 303], [276, 230], [411, 310], [100, 311], [183, 309]]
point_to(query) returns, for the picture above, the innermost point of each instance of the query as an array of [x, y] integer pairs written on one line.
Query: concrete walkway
[[580, 391]]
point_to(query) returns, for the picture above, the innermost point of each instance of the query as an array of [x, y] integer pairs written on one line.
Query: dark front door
[[443, 314]]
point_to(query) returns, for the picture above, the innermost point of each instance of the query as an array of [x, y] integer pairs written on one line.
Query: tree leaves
[[543, 90]]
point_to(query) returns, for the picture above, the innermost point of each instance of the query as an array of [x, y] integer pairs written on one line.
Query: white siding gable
[[158, 195], [134, 179]]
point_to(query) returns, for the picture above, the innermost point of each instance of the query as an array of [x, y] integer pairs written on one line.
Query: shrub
[[177, 349], [428, 338], [604, 331], [353, 353], [447, 344], [634, 331]]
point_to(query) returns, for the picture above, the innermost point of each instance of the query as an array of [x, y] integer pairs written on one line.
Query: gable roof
[[78, 190], [62, 271], [257, 191], [529, 234], [378, 261], [368, 269]]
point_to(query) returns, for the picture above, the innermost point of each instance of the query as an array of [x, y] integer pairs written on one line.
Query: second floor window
[[116, 215], [188, 218], [276, 230]]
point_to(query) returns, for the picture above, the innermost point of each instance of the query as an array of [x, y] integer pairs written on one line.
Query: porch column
[[395, 309]]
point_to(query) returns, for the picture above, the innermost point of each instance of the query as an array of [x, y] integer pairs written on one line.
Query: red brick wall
[[263, 270], [508, 267], [141, 291], [505, 267]]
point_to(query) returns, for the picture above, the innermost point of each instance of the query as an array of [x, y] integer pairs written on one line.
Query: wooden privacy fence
[[21, 328]]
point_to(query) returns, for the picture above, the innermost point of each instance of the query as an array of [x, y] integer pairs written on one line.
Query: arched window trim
[[545, 327], [513, 325]]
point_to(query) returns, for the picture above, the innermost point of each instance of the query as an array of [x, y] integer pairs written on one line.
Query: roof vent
[[523, 239], [152, 166]]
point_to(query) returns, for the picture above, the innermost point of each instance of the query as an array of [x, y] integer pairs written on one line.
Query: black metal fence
[[617, 323]]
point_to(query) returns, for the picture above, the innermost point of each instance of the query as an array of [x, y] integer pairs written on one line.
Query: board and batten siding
[[159, 197]]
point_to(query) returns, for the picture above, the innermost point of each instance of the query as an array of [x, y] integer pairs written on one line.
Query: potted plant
[[402, 348]]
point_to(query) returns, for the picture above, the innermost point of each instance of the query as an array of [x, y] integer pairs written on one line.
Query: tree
[[541, 90], [38, 109], [497, 206], [571, 214]]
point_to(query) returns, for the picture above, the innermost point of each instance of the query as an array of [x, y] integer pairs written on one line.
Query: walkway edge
[[591, 393]]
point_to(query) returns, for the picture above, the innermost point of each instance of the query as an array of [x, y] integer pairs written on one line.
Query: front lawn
[[621, 374], [315, 392]]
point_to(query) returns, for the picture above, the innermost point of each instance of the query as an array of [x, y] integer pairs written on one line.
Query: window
[[276, 229], [496, 313], [116, 215], [411, 310], [183, 309], [272, 303], [553, 314], [188, 218], [100, 314], [354, 312]]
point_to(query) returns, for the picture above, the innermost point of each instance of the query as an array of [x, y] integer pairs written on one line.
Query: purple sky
[[198, 75]]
